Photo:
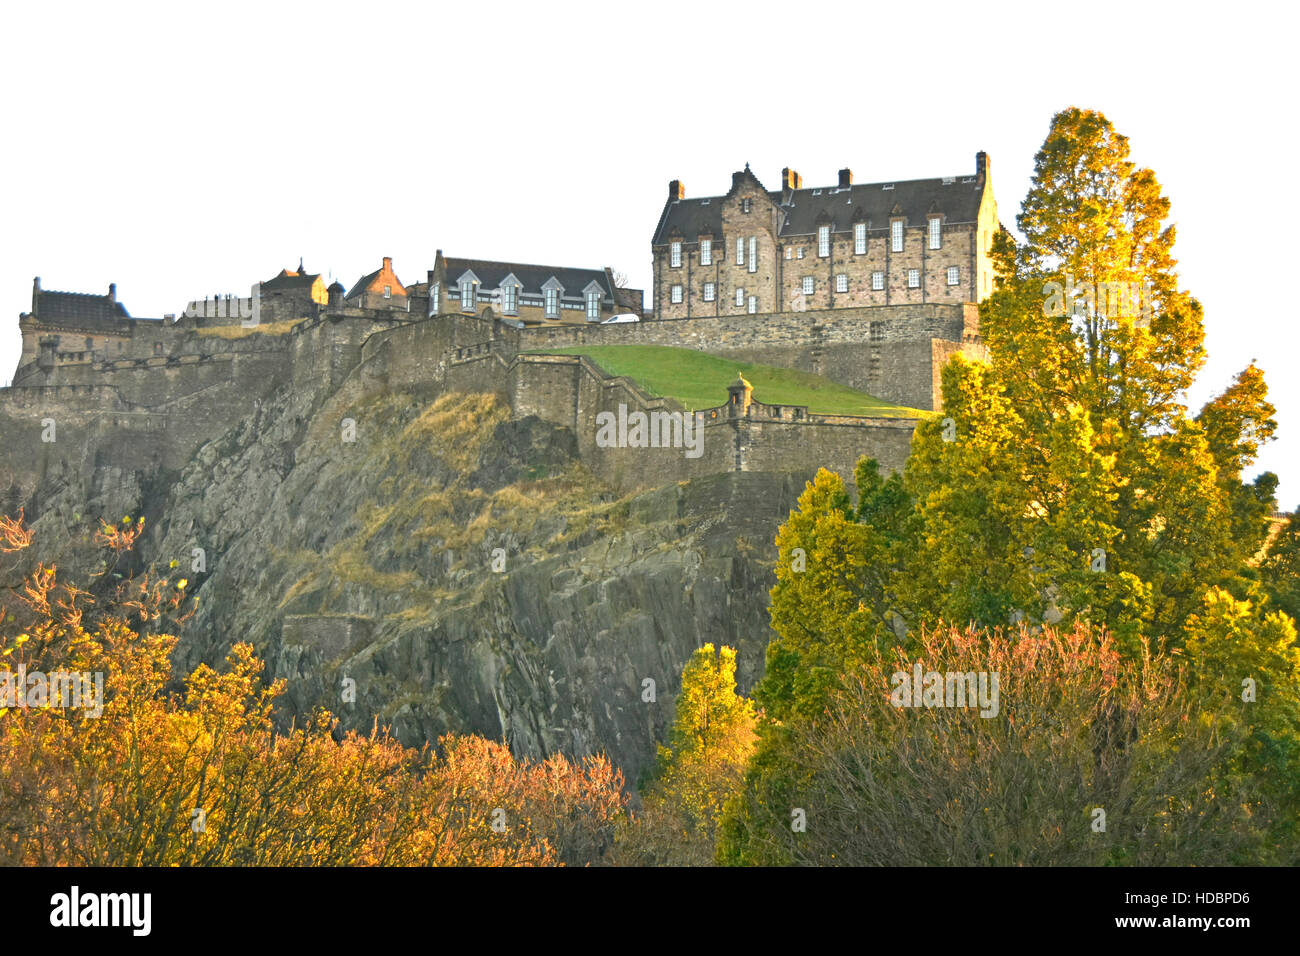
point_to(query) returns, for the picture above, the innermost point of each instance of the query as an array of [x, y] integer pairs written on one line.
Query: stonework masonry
[[840, 246], [177, 388]]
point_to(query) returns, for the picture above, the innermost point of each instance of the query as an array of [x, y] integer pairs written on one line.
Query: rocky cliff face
[[461, 567]]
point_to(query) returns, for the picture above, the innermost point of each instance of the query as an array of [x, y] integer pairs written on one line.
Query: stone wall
[[886, 352], [572, 391]]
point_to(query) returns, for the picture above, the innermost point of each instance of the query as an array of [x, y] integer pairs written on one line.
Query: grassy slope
[[699, 380]]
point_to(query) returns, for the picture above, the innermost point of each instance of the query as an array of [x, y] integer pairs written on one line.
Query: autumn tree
[[203, 777], [1064, 483], [698, 769]]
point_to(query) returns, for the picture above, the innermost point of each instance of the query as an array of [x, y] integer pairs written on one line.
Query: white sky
[[182, 151]]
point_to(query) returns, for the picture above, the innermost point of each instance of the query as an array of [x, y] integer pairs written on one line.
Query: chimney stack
[[846, 177], [790, 179], [388, 263], [112, 291], [676, 190], [982, 164]]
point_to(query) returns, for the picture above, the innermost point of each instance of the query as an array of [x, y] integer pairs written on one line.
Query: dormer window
[[896, 235], [675, 254], [706, 252], [551, 299], [466, 295], [936, 232], [823, 241], [593, 306], [510, 299], [859, 238]]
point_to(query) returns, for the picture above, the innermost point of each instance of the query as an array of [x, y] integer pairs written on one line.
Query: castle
[[874, 286]]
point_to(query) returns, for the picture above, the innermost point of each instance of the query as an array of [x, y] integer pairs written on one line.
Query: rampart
[[892, 352], [153, 411]]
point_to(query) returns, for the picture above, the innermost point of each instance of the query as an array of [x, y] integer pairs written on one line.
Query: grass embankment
[[699, 380], [239, 331]]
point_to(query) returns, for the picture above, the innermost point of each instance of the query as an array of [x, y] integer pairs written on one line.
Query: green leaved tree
[[1064, 483]]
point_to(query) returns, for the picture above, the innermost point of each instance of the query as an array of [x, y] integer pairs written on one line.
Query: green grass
[[699, 380]]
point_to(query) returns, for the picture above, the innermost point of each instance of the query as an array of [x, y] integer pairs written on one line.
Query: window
[[799, 253], [753, 253], [914, 278], [434, 299], [740, 250], [859, 238], [706, 252], [877, 331], [90, 343], [877, 281], [551, 298], [954, 275], [896, 234], [936, 231], [675, 255], [388, 292], [466, 296], [710, 292], [677, 294], [789, 252], [823, 241], [753, 304], [842, 283], [808, 285], [593, 305], [510, 299], [746, 205], [740, 297]]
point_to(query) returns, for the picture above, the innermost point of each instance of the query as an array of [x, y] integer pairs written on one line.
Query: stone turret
[[739, 395], [48, 355]]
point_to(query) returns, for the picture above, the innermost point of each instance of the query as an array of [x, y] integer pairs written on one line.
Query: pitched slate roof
[[289, 279], [956, 197], [362, 284], [532, 277], [79, 310]]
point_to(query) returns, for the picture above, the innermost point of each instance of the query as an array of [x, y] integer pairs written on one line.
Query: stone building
[[755, 250], [292, 294], [73, 327], [532, 294], [380, 289]]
